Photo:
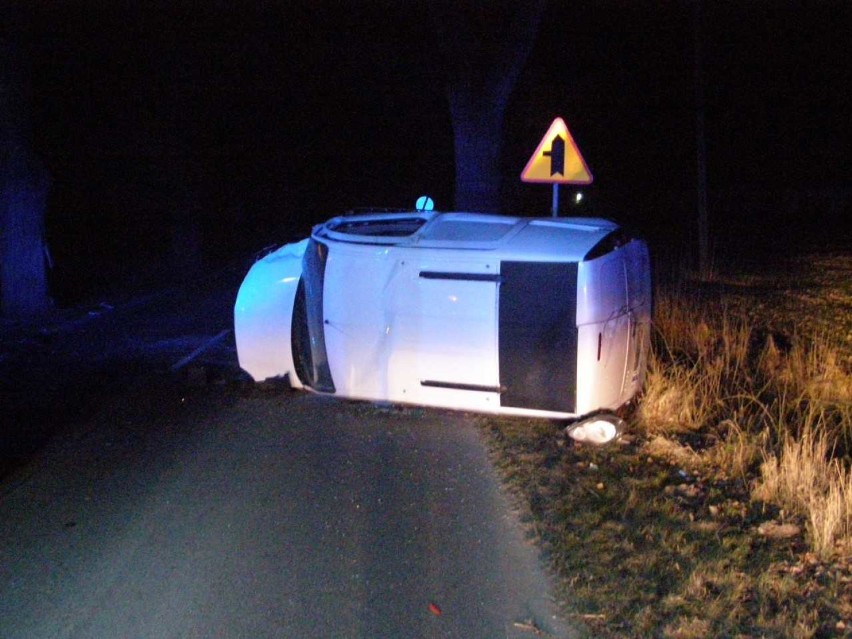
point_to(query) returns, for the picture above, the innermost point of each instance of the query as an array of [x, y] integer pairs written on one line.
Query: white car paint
[[414, 305]]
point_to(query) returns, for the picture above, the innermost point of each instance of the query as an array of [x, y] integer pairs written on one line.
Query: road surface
[[206, 510]]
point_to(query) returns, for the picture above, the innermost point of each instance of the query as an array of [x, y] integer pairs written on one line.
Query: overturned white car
[[545, 317]]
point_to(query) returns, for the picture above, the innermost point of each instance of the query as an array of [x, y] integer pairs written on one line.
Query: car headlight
[[599, 429]]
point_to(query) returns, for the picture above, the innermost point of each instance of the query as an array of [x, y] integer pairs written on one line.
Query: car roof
[[514, 237]]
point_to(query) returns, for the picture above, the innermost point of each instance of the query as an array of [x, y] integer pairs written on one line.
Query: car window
[[396, 227]]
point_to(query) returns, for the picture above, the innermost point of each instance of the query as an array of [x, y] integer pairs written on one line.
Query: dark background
[[258, 119]]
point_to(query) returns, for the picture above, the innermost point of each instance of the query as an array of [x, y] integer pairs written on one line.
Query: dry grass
[[710, 373], [728, 512], [805, 480]]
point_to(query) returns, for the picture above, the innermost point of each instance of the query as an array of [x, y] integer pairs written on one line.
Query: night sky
[[262, 118]]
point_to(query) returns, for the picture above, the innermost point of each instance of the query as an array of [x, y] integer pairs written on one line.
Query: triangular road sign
[[557, 159]]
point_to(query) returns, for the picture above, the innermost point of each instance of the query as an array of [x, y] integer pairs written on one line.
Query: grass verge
[[727, 510]]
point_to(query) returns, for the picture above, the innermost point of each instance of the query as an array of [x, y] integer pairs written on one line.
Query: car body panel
[[263, 313], [530, 316]]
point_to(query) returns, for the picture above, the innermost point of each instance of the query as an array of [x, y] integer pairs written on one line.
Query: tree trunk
[[701, 147], [485, 46], [23, 184], [23, 278], [478, 141]]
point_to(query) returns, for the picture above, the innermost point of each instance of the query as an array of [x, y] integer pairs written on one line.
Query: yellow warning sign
[[557, 159]]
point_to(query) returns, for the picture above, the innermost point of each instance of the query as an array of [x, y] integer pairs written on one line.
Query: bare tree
[[23, 185], [485, 46]]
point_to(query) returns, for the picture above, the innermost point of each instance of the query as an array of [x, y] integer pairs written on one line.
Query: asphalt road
[[183, 505]]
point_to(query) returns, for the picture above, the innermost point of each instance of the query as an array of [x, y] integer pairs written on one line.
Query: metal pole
[[555, 209]]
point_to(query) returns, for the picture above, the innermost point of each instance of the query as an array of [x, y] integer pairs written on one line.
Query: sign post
[[556, 161], [555, 208]]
